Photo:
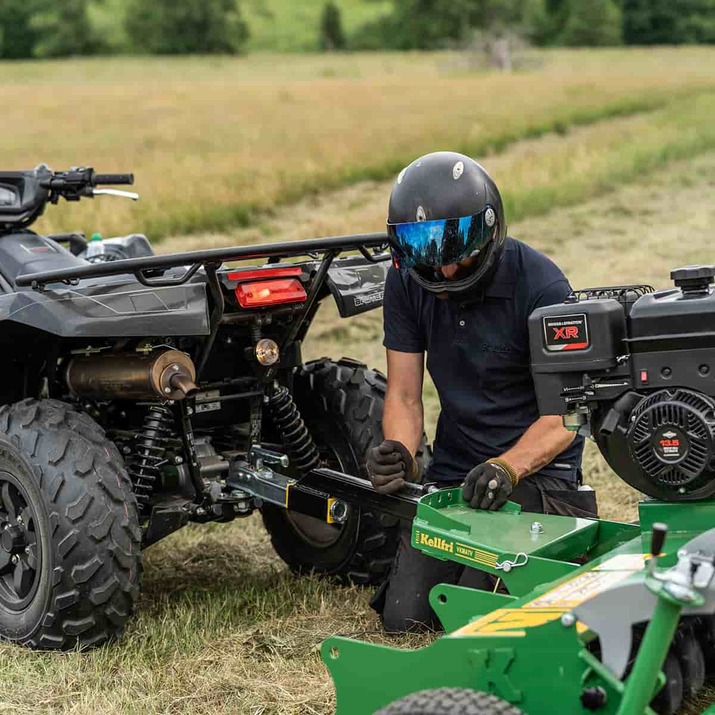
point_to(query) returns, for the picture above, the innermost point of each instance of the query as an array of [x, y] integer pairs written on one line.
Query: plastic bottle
[[95, 249]]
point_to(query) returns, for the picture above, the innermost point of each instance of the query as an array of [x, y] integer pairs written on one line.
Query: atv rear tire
[[341, 403], [70, 556], [450, 701]]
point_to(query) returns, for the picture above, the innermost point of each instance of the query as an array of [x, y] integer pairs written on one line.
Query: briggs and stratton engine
[[634, 368]]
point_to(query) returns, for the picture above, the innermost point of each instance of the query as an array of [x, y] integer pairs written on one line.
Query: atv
[[145, 392]]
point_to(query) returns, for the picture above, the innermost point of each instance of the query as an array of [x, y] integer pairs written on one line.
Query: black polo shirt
[[478, 358]]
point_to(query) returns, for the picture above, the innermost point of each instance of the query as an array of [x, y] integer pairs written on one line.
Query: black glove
[[487, 486], [389, 466]]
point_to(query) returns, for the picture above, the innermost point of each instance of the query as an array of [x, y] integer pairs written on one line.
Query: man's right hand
[[389, 466]]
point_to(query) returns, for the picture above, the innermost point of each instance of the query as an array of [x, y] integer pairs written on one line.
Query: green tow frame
[[528, 647]]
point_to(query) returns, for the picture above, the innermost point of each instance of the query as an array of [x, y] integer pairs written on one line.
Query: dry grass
[[222, 627], [212, 140]]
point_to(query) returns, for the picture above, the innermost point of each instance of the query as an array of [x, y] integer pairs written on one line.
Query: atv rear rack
[[143, 268]]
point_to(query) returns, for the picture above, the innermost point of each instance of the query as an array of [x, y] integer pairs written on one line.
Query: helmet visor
[[441, 242]]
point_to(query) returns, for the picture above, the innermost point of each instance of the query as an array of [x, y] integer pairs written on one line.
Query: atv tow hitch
[[322, 493]]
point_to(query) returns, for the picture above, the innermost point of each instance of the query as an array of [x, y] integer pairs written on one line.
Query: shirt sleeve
[[400, 319], [552, 294]]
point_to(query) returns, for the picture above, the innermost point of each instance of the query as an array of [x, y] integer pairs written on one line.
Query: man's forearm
[[403, 421], [544, 440]]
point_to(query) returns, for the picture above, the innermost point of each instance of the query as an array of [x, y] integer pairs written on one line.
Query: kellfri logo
[[434, 542], [566, 333]]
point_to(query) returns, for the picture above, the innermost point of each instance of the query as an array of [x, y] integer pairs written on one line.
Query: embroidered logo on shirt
[[496, 348]]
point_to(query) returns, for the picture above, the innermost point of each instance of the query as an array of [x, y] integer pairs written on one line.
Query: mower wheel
[[70, 557], [690, 657], [450, 701], [705, 630], [670, 697], [341, 403]]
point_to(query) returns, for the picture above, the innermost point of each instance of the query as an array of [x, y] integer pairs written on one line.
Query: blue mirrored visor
[[441, 242]]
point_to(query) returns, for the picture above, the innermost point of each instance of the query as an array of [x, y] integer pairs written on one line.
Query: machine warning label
[[573, 593], [566, 332], [549, 607]]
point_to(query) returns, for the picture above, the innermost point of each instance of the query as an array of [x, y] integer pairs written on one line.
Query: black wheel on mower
[[450, 701], [691, 659], [670, 697], [341, 403], [70, 558]]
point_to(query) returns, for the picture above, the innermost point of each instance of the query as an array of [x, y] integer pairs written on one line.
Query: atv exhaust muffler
[[168, 375]]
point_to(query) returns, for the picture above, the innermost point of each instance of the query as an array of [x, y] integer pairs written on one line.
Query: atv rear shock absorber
[[293, 432], [149, 455]]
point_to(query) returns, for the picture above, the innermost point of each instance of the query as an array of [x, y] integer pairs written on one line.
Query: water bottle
[[95, 249]]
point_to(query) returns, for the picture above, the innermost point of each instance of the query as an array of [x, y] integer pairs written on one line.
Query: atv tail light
[[272, 292]]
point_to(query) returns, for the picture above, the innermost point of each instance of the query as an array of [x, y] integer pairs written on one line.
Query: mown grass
[[214, 141]]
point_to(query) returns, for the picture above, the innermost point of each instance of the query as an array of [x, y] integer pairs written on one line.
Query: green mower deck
[[529, 648]]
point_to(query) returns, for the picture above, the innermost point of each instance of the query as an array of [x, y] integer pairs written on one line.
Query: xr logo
[[568, 331]]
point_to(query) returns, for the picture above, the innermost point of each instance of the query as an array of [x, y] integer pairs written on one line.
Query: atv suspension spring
[[150, 452], [293, 432]]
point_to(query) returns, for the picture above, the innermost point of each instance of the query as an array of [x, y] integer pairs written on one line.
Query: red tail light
[[271, 292]]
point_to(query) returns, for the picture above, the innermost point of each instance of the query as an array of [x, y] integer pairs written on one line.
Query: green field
[[607, 162]]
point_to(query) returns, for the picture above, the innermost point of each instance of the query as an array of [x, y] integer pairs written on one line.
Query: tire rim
[[20, 553], [317, 532]]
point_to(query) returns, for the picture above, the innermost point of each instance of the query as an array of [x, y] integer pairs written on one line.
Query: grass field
[[607, 160], [213, 141], [222, 627]]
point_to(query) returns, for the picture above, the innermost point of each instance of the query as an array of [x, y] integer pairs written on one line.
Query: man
[[460, 293]]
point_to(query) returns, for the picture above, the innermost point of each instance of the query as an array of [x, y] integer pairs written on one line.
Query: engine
[[634, 368]]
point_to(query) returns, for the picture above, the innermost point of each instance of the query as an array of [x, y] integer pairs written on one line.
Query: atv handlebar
[[80, 182], [116, 179]]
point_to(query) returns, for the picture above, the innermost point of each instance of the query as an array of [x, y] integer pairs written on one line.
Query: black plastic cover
[[570, 339], [357, 285]]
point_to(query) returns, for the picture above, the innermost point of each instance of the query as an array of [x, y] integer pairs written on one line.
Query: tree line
[[431, 24], [62, 28], [58, 28]]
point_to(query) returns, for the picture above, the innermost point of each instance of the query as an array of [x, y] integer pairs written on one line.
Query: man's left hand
[[487, 486]]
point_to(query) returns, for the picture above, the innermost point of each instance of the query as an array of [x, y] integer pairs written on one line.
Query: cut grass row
[[534, 175], [210, 150]]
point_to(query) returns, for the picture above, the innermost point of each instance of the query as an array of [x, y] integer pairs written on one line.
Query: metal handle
[[116, 192]]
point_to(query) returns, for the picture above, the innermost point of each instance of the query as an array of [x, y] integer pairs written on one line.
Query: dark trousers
[[403, 600]]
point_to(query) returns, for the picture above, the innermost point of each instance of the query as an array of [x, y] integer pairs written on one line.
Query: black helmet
[[444, 208]]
